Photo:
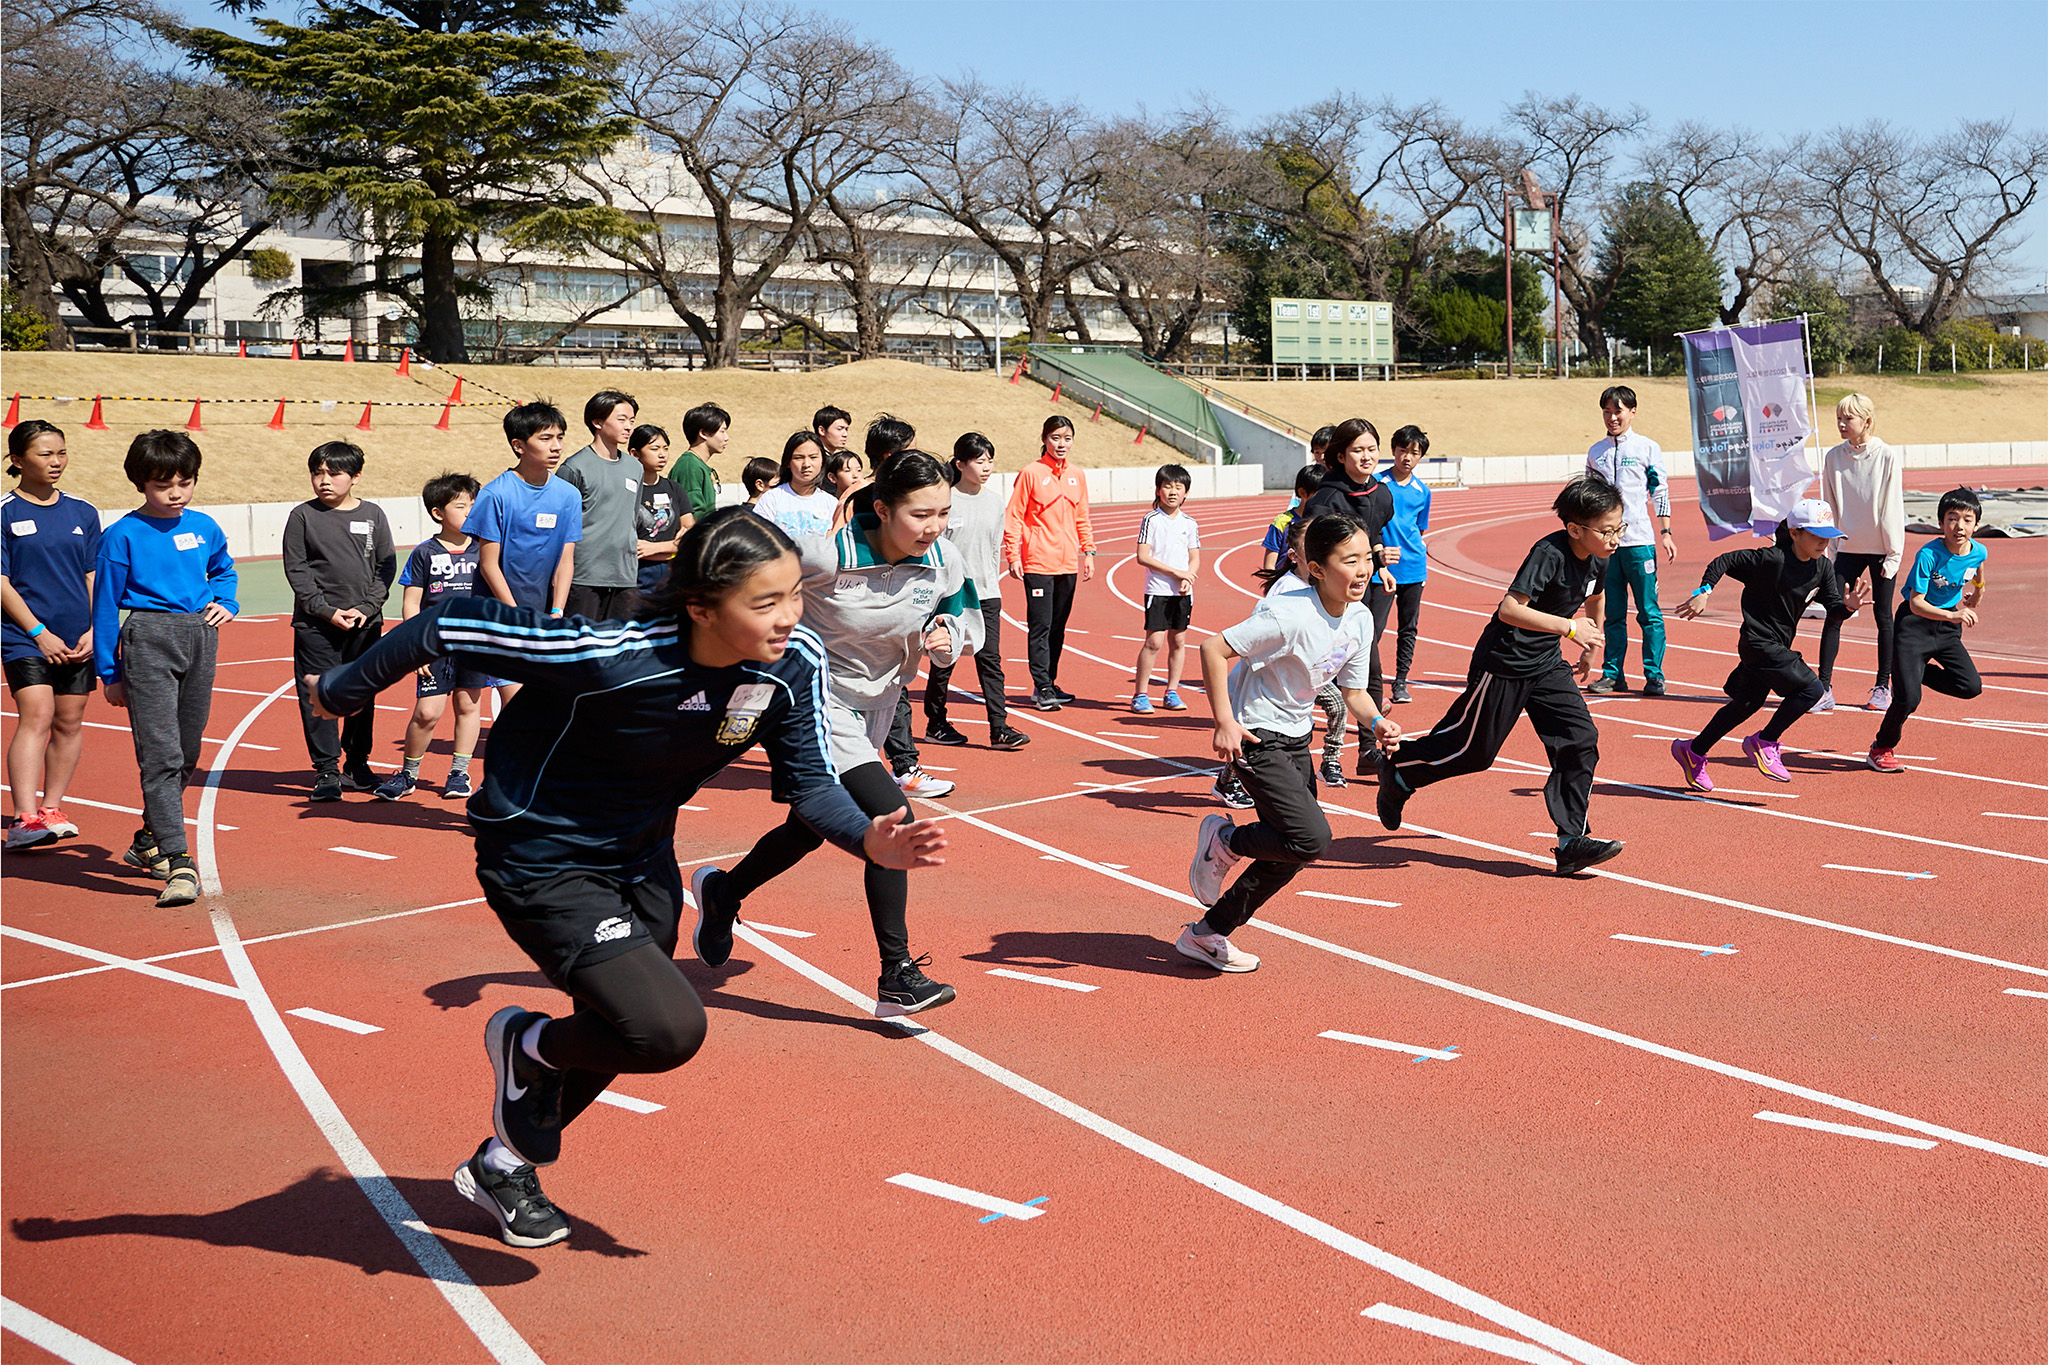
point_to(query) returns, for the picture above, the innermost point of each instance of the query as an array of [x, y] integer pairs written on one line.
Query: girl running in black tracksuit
[[575, 823]]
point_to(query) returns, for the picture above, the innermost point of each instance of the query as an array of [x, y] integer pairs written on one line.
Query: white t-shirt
[[1289, 650], [800, 514], [976, 527], [1171, 539]]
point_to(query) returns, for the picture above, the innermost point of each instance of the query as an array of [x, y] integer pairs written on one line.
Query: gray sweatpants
[[167, 661]]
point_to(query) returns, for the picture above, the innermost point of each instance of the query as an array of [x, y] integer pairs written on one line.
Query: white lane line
[[1703, 949], [1040, 980], [1880, 872], [1551, 1016], [959, 1194], [209, 795], [333, 1020], [203, 739], [71, 800], [474, 1307], [59, 1340], [287, 659], [1127, 734], [124, 963], [1333, 1237], [2012, 815], [1132, 639], [699, 809], [1845, 1129], [627, 1102], [364, 853], [778, 929], [2015, 724], [2015, 990], [1491, 1342], [1445, 1054], [1857, 757], [1354, 900]]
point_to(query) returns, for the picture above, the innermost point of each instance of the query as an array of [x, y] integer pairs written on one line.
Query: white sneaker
[[1880, 699], [918, 782], [1213, 859], [1826, 702], [1214, 950]]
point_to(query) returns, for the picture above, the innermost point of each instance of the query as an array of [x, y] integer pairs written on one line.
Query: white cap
[[1814, 516]]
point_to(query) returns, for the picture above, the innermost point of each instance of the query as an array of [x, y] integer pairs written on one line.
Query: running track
[[1579, 1173]]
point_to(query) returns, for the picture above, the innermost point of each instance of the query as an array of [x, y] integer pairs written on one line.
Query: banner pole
[[1812, 393]]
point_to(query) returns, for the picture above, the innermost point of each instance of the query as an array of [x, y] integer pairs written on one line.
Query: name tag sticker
[[186, 540], [751, 697], [852, 584], [661, 499], [544, 520], [359, 528], [22, 528]]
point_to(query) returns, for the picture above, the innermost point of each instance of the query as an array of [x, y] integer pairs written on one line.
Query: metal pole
[[998, 332], [1557, 282], [1507, 224]]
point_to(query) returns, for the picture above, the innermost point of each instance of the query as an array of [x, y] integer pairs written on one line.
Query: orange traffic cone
[[277, 418], [96, 422], [348, 350], [405, 361], [295, 349], [456, 396], [242, 350], [363, 424], [1098, 413], [13, 412], [192, 422], [1141, 434], [446, 408], [1014, 374], [1056, 391]]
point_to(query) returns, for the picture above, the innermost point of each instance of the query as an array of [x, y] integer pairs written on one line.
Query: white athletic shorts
[[858, 736]]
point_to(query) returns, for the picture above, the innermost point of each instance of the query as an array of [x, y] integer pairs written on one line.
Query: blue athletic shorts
[[444, 677]]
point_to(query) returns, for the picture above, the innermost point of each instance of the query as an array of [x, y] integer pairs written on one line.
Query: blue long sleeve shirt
[[615, 729], [176, 563]]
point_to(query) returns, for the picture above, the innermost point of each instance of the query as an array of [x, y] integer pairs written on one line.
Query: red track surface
[[1222, 1183]]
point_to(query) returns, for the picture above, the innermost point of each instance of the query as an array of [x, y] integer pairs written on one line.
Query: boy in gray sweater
[[340, 561]]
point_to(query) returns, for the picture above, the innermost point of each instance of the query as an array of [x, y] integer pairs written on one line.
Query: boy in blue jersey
[[575, 823], [527, 520], [169, 568], [1943, 591], [1404, 531], [440, 569]]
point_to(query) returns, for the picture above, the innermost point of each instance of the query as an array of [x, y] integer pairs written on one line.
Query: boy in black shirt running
[[1778, 581], [1518, 666]]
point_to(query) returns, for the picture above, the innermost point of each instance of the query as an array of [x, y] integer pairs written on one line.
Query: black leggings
[[635, 1015], [1849, 568], [781, 848], [1931, 655], [1751, 685]]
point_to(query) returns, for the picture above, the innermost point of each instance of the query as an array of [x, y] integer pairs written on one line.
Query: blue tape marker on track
[[1447, 1047], [1027, 1204]]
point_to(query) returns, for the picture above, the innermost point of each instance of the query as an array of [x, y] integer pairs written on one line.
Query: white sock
[[529, 1041], [500, 1158]]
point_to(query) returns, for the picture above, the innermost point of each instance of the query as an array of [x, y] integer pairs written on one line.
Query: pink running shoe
[[58, 823], [1767, 756], [1694, 766]]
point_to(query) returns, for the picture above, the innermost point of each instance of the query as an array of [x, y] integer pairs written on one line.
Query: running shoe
[[58, 823], [905, 989], [1064, 697], [1653, 687], [1393, 794], [1213, 859], [1230, 791], [1172, 702], [1826, 702], [1006, 738], [1767, 755], [713, 936], [1401, 697], [458, 787], [918, 782], [526, 1105], [1333, 772], [1577, 854], [1213, 950], [30, 831], [525, 1216], [326, 787], [181, 887], [144, 853], [397, 787], [1694, 767], [939, 732], [1047, 700], [1880, 699], [1604, 684], [1142, 704], [360, 777], [1884, 761]]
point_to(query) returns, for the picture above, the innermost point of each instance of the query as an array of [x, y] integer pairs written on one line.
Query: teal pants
[[1633, 568]]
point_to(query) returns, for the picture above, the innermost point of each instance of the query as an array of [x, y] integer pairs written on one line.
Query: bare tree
[[765, 111], [1730, 184], [1943, 210], [1571, 145], [1019, 173], [887, 261]]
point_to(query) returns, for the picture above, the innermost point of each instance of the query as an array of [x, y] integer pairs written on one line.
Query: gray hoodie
[[873, 615]]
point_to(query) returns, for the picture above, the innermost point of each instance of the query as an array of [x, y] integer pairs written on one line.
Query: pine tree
[[1655, 270]]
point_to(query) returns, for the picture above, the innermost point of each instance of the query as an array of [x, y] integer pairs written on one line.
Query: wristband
[[1571, 632], [1375, 728], [40, 628], [1701, 591], [554, 611]]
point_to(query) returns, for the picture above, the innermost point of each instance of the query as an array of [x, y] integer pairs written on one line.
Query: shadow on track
[[710, 984]]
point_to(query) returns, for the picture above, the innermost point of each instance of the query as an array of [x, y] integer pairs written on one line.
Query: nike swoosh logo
[[514, 1092]]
